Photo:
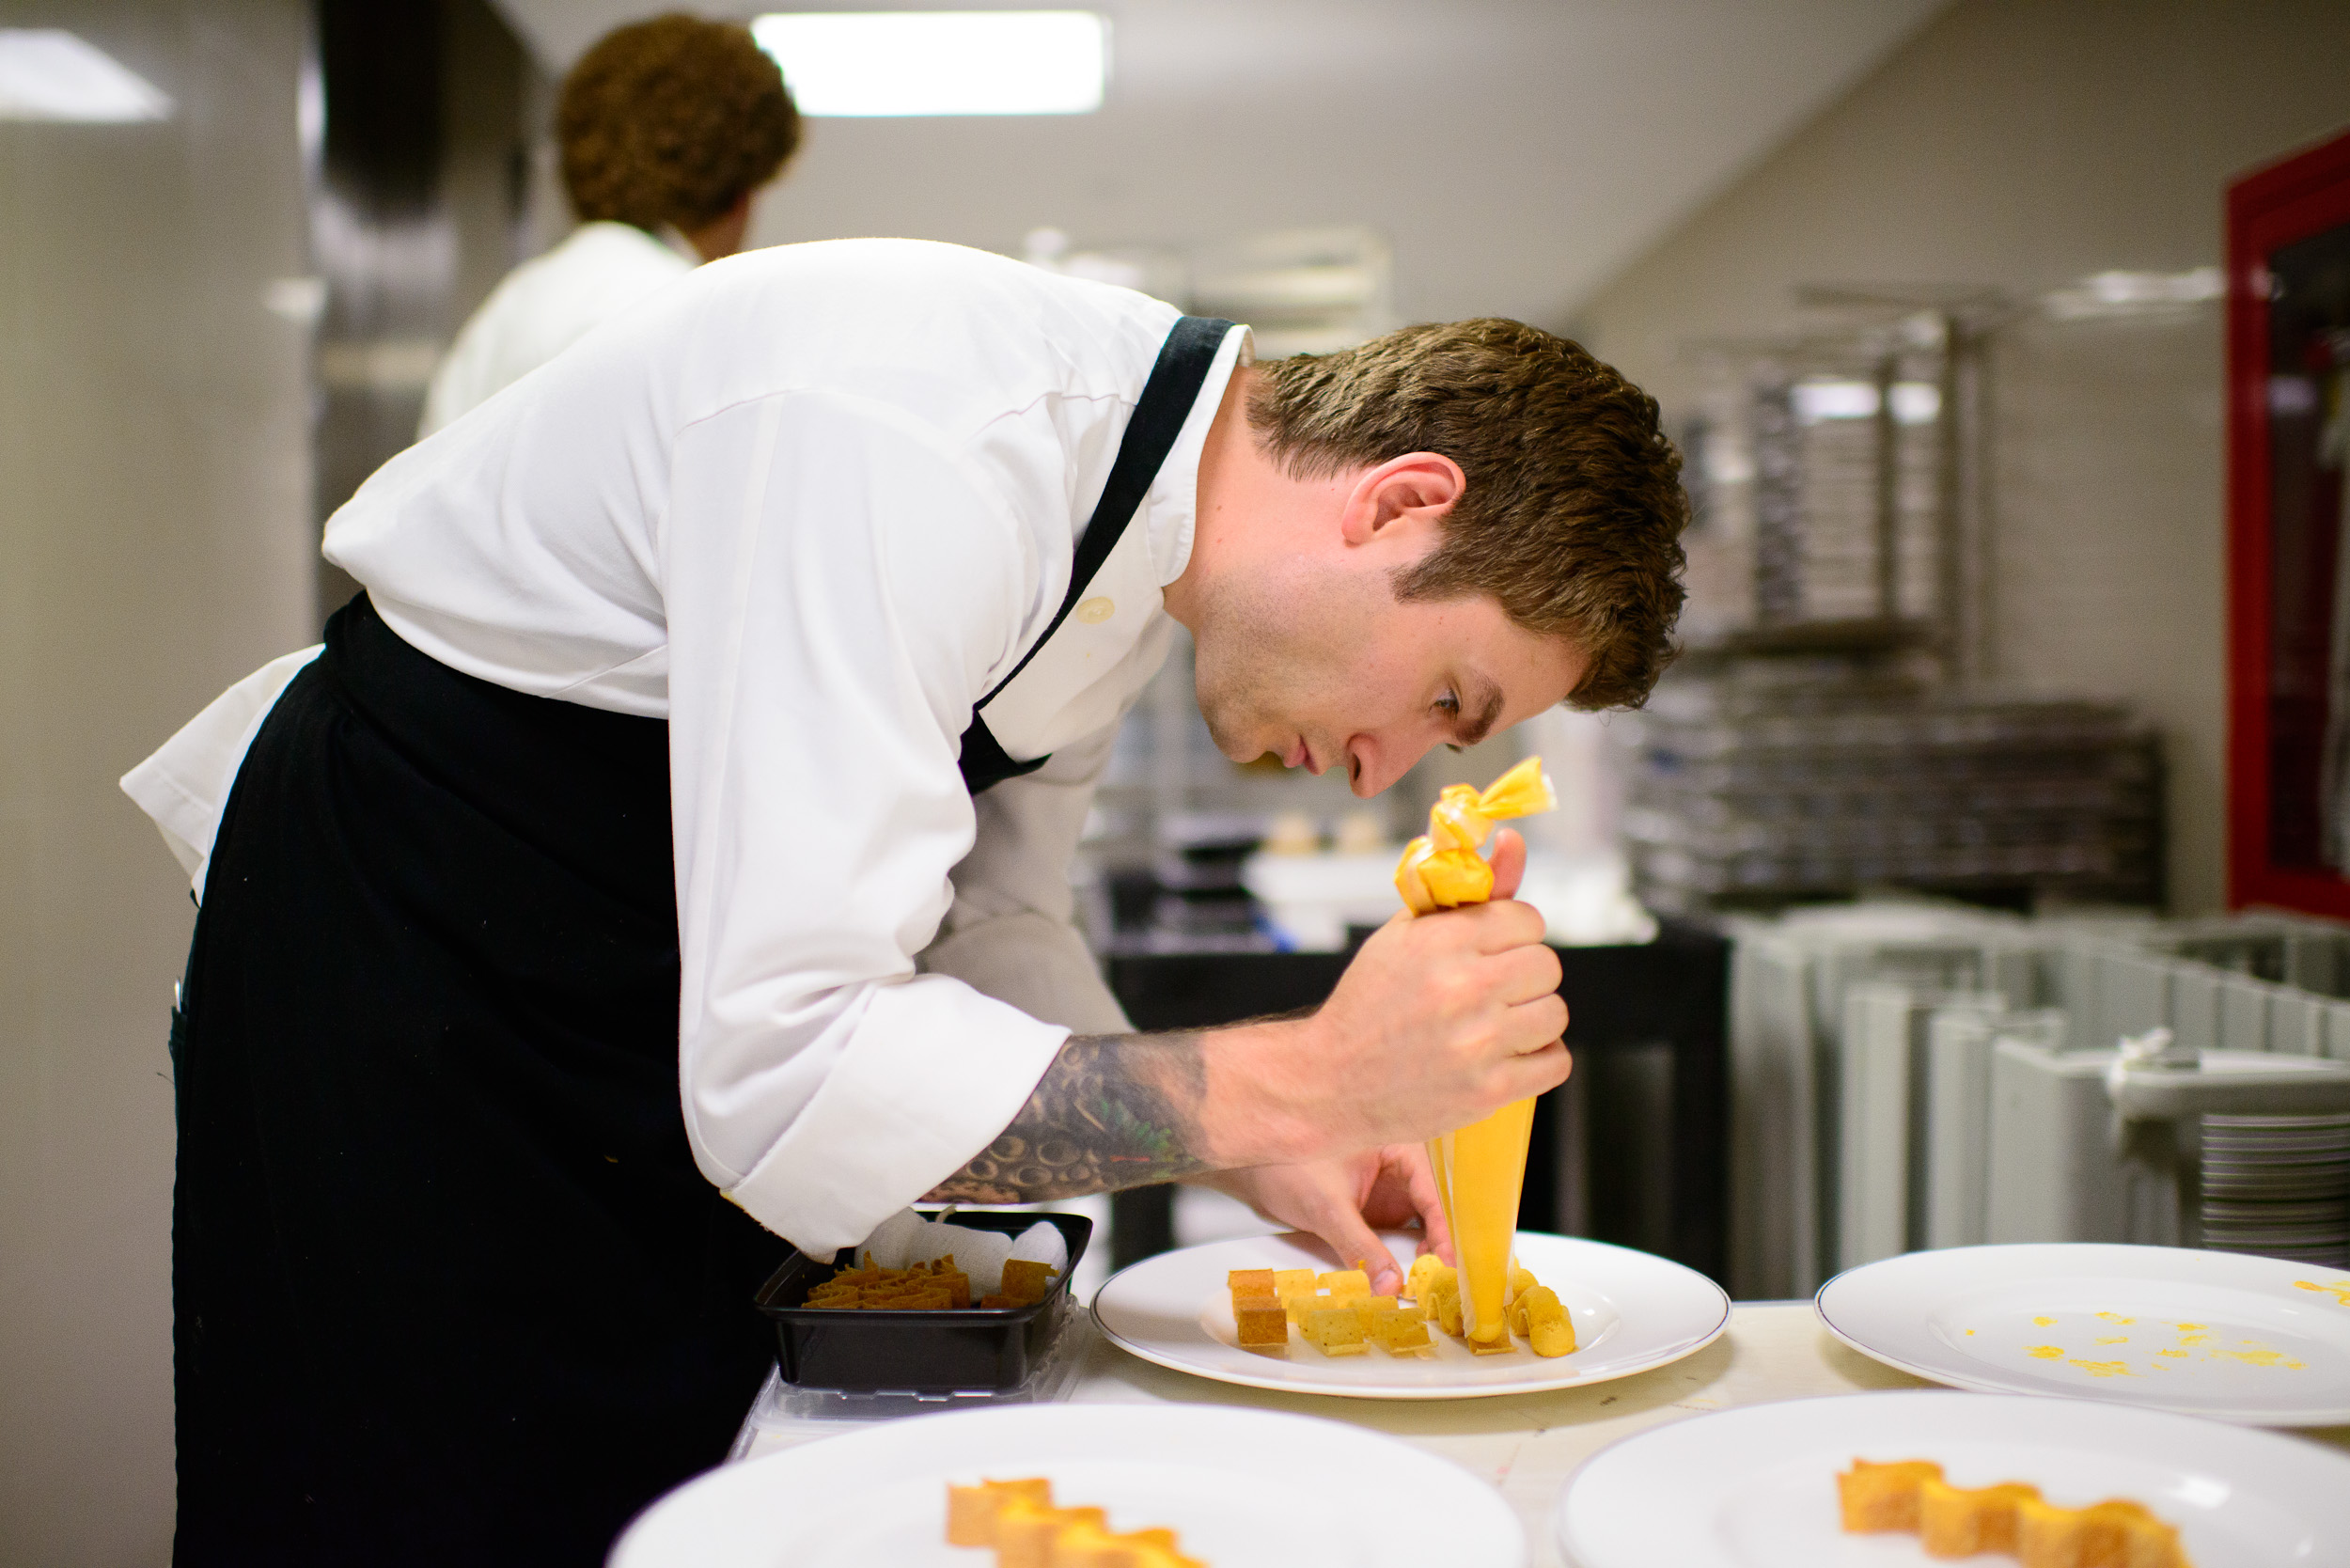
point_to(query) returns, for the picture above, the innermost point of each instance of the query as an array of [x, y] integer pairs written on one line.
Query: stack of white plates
[[2277, 1186]]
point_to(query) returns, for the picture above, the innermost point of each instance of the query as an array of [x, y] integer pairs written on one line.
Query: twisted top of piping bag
[[1442, 870]]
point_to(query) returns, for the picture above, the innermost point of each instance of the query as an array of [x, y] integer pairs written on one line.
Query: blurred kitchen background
[[1961, 785]]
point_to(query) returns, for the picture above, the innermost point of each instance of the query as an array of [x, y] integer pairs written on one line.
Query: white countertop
[[1528, 1445]]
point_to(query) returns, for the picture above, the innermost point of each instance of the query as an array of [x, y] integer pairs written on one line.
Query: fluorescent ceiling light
[[872, 63], [48, 73], [1915, 402]]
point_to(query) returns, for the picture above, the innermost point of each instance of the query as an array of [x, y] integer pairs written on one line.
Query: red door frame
[[2277, 206]]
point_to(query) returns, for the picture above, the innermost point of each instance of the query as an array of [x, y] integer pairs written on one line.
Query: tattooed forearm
[[1112, 1111]]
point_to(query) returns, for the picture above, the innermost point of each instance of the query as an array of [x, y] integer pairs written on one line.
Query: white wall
[[154, 545], [2023, 144]]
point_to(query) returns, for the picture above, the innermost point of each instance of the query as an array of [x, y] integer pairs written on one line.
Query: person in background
[[670, 130]]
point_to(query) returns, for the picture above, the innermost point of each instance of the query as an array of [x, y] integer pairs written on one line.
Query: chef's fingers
[[1536, 1072], [1521, 974], [1531, 1026], [1508, 862], [1435, 1235], [1499, 926], [1359, 1246]]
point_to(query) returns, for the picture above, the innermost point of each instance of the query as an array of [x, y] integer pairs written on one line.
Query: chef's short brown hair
[[672, 121], [1572, 513]]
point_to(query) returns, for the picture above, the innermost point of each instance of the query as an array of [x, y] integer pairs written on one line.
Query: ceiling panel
[[1517, 153]]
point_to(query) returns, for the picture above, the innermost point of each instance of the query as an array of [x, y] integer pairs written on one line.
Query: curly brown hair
[[672, 121], [1573, 509]]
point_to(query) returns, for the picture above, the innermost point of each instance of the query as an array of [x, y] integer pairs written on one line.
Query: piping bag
[[1480, 1168]]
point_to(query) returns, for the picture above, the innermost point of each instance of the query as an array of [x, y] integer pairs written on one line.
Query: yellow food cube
[[1025, 1531], [1884, 1496], [1249, 1281], [1083, 1546], [1346, 1284], [971, 1510], [1373, 1307], [1335, 1331], [1288, 1280]]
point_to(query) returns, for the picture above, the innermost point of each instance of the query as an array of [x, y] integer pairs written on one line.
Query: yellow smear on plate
[[2116, 1317], [2042, 1323], [2101, 1368], [2264, 1355], [2044, 1353], [2112, 1340], [2339, 1289], [2181, 1354]]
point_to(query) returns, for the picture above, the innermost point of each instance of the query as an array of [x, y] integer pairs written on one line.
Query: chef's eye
[[1449, 706]]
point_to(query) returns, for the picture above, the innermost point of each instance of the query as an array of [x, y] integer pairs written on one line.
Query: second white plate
[[1243, 1488], [1632, 1311], [1756, 1488], [2238, 1339]]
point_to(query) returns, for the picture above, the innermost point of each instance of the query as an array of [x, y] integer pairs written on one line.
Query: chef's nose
[[1375, 761]]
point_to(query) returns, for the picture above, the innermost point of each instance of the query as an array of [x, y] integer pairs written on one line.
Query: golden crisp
[[1026, 1279], [1249, 1281], [2012, 1518], [1262, 1323], [1346, 1284], [1335, 1331], [1424, 1268]]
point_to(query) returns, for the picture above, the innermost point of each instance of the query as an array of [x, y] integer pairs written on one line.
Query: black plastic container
[[966, 1350]]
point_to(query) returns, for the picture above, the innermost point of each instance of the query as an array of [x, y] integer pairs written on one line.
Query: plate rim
[[2253, 1415], [1557, 1515], [1283, 1386], [1502, 1515]]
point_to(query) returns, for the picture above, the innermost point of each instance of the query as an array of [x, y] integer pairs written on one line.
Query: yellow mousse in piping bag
[[1481, 1167]]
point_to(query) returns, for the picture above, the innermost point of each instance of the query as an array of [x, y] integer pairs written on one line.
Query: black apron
[[447, 1286]]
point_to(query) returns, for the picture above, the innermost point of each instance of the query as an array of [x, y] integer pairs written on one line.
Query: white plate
[[1632, 1311], [1756, 1487], [1242, 1489], [2219, 1333]]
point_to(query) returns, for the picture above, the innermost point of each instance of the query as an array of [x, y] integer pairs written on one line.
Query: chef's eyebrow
[[1488, 712]]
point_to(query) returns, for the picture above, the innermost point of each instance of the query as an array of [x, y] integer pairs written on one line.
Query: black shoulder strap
[[1165, 402]]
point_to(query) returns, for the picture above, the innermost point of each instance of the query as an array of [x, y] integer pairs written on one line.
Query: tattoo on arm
[[1112, 1111]]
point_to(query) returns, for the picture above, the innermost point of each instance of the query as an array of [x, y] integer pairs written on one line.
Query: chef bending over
[[669, 851]]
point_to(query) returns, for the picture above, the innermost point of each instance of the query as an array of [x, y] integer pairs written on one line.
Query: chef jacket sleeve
[[1011, 931], [839, 583]]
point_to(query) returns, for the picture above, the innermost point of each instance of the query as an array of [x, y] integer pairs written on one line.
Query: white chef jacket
[[810, 506], [545, 306]]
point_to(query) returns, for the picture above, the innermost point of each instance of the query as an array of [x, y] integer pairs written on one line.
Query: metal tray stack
[[1754, 789]]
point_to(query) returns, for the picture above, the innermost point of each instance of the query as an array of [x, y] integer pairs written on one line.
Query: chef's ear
[[1416, 490]]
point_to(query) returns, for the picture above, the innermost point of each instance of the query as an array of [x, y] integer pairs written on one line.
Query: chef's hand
[[1348, 1201], [1439, 1021]]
